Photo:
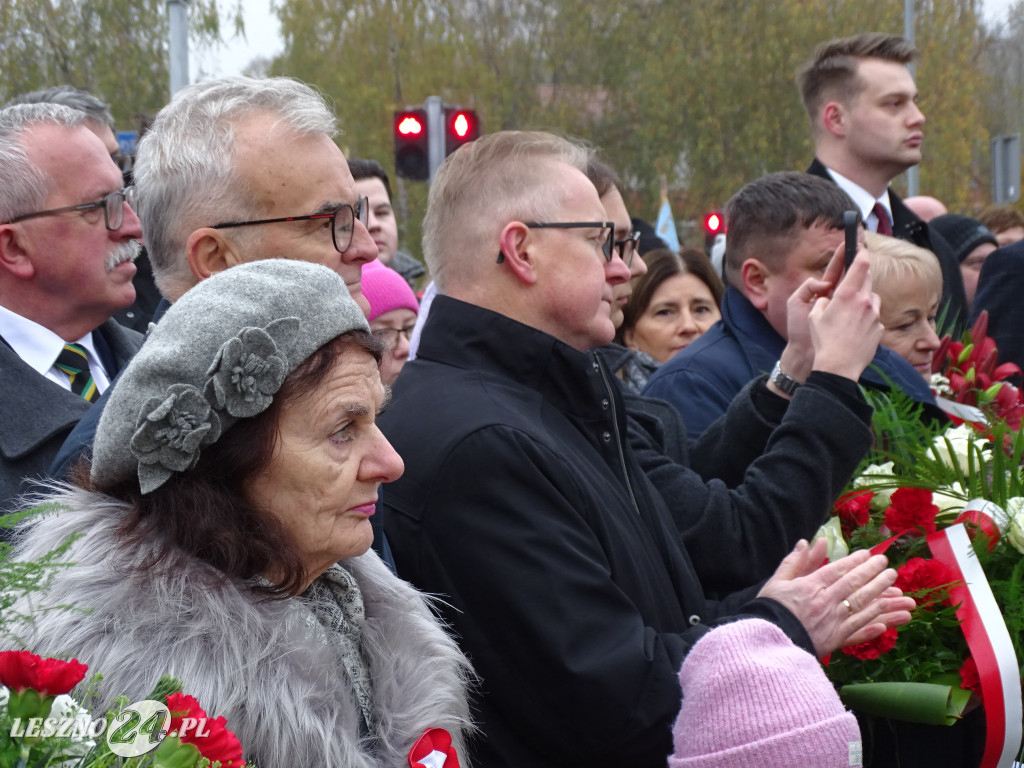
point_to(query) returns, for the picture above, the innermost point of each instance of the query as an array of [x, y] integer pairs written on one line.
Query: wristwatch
[[783, 380]]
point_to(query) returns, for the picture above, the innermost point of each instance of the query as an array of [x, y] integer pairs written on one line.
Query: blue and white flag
[[665, 227]]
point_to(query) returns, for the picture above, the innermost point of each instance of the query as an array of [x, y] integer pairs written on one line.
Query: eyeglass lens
[[389, 336], [627, 248], [113, 210], [344, 223]]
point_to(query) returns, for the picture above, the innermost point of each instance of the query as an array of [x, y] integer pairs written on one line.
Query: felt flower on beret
[[170, 432], [250, 367]]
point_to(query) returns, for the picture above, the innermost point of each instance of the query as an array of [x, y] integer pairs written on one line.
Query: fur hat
[[219, 354], [963, 233], [386, 290], [752, 699]]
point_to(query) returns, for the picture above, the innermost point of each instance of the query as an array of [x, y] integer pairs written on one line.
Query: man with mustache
[[68, 240]]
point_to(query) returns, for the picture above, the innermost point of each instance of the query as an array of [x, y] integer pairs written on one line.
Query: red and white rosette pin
[[989, 641], [434, 750]]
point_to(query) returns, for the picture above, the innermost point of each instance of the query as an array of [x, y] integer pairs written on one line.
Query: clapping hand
[[847, 602]]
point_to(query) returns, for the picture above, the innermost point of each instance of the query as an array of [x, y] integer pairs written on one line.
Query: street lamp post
[[177, 17]]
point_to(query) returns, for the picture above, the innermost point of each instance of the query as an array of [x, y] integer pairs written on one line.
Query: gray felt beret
[[218, 355]]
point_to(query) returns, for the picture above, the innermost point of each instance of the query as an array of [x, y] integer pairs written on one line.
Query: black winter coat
[[523, 508]]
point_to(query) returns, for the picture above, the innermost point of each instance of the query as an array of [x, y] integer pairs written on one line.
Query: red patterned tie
[[884, 228]]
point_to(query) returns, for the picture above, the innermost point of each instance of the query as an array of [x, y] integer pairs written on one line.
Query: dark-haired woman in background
[[671, 306]]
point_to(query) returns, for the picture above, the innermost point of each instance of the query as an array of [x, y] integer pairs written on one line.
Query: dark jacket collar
[[762, 346], [466, 336]]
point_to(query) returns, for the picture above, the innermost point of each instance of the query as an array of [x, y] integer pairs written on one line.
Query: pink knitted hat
[[752, 699], [385, 289]]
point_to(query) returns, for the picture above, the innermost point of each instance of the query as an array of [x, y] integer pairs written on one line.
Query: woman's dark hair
[[206, 511], [663, 263]]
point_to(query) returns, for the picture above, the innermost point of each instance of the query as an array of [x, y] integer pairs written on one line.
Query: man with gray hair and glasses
[[68, 240], [239, 170]]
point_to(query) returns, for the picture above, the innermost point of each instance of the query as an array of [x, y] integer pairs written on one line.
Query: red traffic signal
[[714, 224], [461, 126], [412, 153], [410, 125]]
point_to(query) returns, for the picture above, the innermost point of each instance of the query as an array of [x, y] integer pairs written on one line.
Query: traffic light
[[412, 141], [461, 126], [714, 225]]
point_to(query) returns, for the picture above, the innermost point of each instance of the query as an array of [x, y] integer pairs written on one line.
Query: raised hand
[[845, 329]]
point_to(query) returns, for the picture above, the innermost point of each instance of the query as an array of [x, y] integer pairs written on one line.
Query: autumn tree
[[115, 49], [701, 93]]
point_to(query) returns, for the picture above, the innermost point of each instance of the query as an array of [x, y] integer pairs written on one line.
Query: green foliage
[[19, 578], [115, 49], [930, 645]]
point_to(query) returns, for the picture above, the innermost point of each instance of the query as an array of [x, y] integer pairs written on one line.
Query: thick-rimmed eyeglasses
[[606, 245], [112, 205], [389, 336], [343, 222], [627, 247]]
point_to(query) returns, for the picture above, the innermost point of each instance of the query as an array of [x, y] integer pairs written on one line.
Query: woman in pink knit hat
[[393, 310]]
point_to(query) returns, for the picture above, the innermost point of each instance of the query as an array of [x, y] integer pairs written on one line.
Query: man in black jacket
[[867, 129], [524, 507]]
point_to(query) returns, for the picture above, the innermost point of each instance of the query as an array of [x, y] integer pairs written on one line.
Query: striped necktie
[[73, 361]]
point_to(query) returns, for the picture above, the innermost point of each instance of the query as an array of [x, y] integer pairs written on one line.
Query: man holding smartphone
[[783, 228]]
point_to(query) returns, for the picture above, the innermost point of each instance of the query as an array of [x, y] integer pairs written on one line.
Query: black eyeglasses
[[606, 246], [389, 336], [343, 221], [627, 247], [112, 205]]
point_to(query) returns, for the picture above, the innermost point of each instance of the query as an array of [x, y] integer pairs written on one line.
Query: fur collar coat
[[264, 664]]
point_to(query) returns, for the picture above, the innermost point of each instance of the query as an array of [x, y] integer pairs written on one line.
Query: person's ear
[[834, 119], [754, 277], [208, 252], [15, 253], [517, 252], [627, 337]]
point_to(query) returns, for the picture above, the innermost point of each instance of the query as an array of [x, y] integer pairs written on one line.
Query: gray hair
[[25, 186], [69, 96], [185, 174], [484, 185]]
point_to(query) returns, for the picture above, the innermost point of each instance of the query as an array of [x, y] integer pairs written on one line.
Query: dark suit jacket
[[907, 226], [36, 414]]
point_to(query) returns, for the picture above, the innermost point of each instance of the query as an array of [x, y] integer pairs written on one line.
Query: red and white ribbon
[[990, 645]]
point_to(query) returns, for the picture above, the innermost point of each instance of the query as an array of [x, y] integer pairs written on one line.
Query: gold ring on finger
[[849, 607]]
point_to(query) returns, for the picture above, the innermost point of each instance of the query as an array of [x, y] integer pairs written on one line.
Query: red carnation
[[927, 581], [854, 509], [872, 649], [911, 511], [20, 670], [214, 741], [969, 679]]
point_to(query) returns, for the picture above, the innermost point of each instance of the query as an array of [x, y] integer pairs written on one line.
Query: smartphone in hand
[[851, 223]]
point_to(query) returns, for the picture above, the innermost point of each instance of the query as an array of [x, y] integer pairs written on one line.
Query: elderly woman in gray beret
[[223, 533]]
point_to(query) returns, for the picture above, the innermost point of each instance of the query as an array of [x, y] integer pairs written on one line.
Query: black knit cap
[[963, 233]]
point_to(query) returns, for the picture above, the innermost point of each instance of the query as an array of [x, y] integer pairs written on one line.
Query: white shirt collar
[[863, 199], [38, 347]]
